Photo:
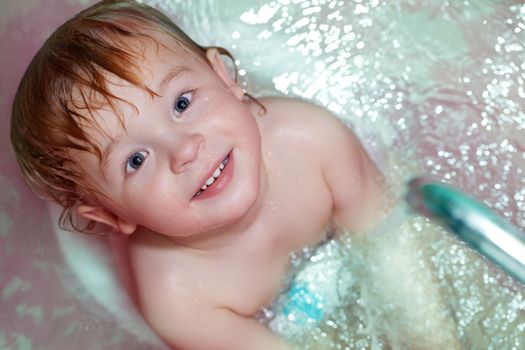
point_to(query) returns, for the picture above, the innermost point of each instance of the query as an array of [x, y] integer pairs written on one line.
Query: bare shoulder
[[300, 113], [313, 134], [301, 121]]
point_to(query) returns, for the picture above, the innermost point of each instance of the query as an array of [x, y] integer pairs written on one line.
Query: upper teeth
[[215, 175]]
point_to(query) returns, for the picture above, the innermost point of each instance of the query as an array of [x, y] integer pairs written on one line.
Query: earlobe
[[215, 59], [126, 227], [106, 217]]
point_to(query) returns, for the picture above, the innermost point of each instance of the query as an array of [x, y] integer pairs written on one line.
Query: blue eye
[[182, 102], [135, 161]]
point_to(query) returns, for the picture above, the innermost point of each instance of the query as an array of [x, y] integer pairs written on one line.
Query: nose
[[185, 152]]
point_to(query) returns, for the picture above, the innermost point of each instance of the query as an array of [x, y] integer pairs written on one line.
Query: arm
[[354, 181], [184, 325]]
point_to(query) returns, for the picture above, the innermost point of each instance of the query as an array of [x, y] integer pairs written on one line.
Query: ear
[[215, 59], [106, 217]]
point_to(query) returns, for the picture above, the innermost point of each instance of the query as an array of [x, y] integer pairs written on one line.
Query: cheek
[[243, 124], [138, 206], [220, 102]]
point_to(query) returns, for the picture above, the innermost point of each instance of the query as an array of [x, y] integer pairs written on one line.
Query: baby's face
[[188, 160]]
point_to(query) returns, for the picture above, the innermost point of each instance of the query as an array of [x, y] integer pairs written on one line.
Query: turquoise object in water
[[303, 306], [472, 222]]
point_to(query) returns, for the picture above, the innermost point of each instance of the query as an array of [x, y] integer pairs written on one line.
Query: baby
[[124, 121]]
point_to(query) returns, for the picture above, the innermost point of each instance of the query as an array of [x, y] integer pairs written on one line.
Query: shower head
[[470, 221]]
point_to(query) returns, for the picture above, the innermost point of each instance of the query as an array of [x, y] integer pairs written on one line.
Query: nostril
[[186, 152], [180, 166]]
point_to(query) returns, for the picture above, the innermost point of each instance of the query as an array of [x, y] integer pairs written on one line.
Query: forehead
[[160, 52], [154, 57], [157, 59]]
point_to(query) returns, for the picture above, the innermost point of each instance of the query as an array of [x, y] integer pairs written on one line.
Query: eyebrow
[[173, 73]]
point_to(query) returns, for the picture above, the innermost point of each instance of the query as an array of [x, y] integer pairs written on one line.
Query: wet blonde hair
[[56, 94]]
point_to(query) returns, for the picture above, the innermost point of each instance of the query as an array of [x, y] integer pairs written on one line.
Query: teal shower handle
[[472, 222]]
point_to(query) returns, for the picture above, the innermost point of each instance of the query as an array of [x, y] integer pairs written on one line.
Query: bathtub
[[438, 86]]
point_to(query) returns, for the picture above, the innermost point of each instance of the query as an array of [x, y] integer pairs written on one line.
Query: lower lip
[[220, 183]]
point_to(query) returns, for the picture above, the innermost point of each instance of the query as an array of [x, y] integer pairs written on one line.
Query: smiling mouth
[[216, 174]]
